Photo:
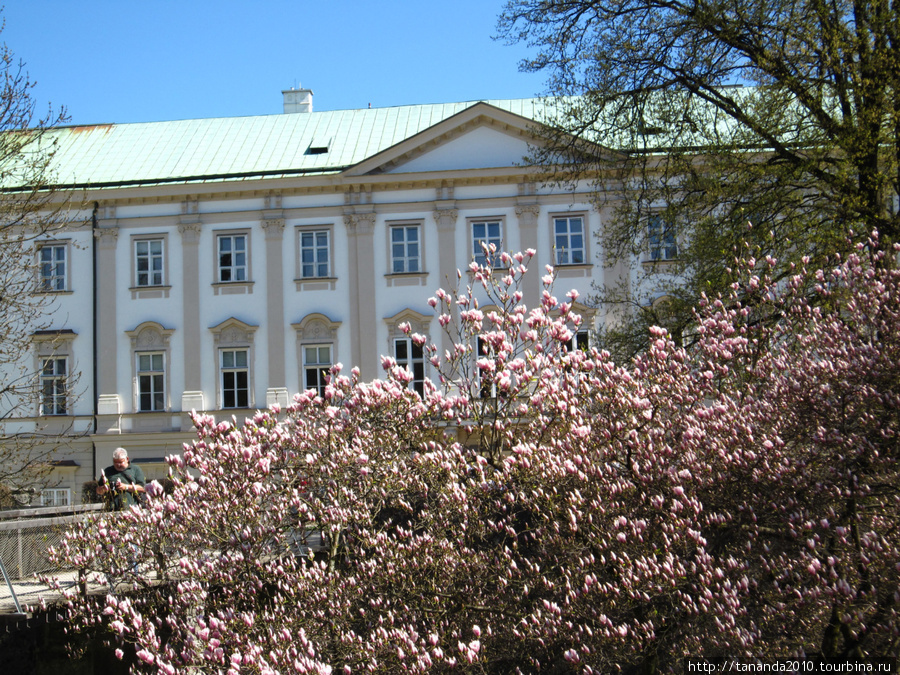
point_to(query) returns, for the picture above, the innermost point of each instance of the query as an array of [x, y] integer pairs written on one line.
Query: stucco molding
[[233, 333], [150, 335], [316, 327]]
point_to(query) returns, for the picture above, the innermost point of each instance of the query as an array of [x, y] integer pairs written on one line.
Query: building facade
[[224, 265]]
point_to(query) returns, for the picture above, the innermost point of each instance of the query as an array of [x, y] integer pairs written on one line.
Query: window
[[405, 250], [411, 356], [488, 388], [53, 386], [151, 380], [55, 497], [568, 240], [232, 256], [52, 267], [316, 364], [580, 342], [148, 262], [485, 232], [315, 254], [661, 239], [235, 378]]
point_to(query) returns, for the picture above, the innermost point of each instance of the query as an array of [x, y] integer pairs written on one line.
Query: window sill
[[568, 270], [233, 287], [50, 292], [149, 292], [659, 264], [406, 278], [315, 283]]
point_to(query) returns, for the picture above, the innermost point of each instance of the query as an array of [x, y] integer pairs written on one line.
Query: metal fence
[[27, 534]]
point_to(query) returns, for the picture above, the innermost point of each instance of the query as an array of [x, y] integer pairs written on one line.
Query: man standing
[[123, 481]]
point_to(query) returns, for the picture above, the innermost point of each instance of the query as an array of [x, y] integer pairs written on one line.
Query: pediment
[[480, 137], [232, 332]]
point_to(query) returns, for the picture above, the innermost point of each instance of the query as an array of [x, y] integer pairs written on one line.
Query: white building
[[222, 265]]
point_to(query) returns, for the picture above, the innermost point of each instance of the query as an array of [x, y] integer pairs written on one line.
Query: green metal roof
[[244, 147]]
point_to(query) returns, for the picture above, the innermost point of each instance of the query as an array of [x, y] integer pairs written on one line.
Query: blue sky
[[149, 60]]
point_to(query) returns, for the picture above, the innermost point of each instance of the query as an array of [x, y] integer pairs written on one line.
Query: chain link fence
[[27, 534]]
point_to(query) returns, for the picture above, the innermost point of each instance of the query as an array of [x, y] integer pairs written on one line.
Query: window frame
[[235, 370], [411, 361], [45, 281], [154, 373], [233, 334], [220, 268], [486, 390], [665, 240], [59, 382], [315, 248], [320, 369], [476, 253], [56, 491], [405, 243], [136, 241], [581, 341], [558, 252]]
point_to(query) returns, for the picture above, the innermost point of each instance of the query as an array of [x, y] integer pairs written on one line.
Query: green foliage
[[720, 114]]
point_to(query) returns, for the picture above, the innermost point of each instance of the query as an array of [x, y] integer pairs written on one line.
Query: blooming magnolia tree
[[543, 509]]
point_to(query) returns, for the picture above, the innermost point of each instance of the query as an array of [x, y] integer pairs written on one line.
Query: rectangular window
[[52, 267], [411, 356], [568, 240], [232, 251], [487, 232], [661, 239], [316, 364], [148, 262], [235, 379], [315, 254], [488, 387], [53, 386], [55, 497], [580, 342], [151, 382], [405, 249]]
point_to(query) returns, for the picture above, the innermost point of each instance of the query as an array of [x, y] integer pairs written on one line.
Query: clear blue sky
[[149, 60]]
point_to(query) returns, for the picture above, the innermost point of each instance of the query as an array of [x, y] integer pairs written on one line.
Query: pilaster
[[446, 217], [273, 225], [527, 215], [364, 349], [190, 228], [107, 237]]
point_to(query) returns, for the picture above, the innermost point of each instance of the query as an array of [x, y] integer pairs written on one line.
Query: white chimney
[[297, 100]]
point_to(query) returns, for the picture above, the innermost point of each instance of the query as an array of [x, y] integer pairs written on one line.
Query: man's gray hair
[[122, 453]]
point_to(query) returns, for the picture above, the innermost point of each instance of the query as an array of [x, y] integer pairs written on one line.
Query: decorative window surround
[[400, 345], [233, 272], [148, 339], [230, 336], [150, 266], [314, 258], [53, 364], [315, 330]]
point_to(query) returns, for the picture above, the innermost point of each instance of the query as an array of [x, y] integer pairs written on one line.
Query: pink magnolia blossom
[[543, 510]]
